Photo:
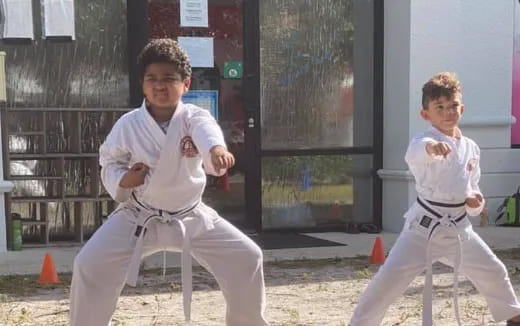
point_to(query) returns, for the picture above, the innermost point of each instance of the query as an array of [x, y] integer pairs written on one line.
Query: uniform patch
[[426, 221], [472, 164], [188, 148]]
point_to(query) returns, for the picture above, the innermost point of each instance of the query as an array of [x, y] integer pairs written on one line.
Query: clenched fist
[[135, 176], [435, 148], [474, 201], [221, 158]]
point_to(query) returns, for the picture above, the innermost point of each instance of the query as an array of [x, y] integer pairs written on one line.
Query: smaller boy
[[153, 162], [446, 168]]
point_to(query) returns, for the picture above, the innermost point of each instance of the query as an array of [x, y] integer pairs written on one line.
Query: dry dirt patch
[[317, 292]]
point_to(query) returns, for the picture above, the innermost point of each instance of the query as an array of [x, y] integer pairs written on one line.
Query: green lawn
[[318, 194]]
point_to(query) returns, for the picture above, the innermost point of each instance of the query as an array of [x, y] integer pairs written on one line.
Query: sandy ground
[[299, 293]]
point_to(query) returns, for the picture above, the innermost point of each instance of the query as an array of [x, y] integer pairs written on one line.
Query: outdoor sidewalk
[[28, 261]]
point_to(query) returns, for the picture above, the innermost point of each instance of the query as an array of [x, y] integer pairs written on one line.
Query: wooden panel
[[68, 109], [44, 229], [76, 133], [78, 222], [44, 130], [94, 177], [40, 205], [57, 199], [15, 156]]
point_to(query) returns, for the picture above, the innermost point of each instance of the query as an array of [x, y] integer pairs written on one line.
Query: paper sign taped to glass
[[194, 13], [58, 18], [199, 50], [17, 19], [205, 99]]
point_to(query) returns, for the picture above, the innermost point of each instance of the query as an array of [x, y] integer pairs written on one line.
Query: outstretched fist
[[440, 148], [221, 158]]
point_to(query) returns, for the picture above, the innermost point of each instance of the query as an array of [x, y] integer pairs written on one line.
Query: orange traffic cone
[[48, 273], [378, 253]]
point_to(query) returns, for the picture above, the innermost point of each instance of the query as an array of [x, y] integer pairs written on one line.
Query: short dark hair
[[164, 50], [442, 84]]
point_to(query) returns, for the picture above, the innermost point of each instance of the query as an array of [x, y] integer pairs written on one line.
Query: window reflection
[[307, 82], [91, 71], [310, 191]]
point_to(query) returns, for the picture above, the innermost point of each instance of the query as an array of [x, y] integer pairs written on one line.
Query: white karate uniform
[[452, 241], [165, 213]]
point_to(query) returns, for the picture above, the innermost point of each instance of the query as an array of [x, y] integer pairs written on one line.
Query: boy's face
[[163, 85], [444, 113]]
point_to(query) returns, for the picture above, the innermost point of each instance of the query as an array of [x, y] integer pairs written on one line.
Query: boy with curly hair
[[153, 162]]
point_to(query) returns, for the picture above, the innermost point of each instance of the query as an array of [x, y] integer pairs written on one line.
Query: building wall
[[5, 186], [473, 39]]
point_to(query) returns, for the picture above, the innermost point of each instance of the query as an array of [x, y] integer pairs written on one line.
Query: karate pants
[[407, 259], [100, 268]]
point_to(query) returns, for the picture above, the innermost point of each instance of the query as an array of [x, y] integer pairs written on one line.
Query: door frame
[[137, 26], [253, 171], [253, 145]]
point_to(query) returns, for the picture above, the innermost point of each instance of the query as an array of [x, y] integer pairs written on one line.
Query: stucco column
[[397, 183], [5, 186]]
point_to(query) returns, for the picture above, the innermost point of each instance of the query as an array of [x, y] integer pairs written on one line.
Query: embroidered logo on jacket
[[188, 148], [472, 164]]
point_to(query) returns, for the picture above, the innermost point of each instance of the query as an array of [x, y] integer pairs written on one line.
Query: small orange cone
[[48, 273], [378, 253]]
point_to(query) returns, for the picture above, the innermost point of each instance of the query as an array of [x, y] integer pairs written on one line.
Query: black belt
[[426, 220]]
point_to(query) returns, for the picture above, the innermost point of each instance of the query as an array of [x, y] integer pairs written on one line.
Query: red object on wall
[[224, 183]]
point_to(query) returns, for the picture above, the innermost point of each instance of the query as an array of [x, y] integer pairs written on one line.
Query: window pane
[[91, 71], [310, 191], [226, 193], [307, 73]]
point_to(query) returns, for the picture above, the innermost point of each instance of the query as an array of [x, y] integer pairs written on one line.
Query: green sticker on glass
[[233, 69]]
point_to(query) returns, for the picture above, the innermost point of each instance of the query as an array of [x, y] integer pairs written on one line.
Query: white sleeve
[[206, 134], [114, 160], [473, 187], [416, 153]]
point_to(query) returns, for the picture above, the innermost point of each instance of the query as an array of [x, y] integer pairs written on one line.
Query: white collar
[[180, 107], [440, 133]]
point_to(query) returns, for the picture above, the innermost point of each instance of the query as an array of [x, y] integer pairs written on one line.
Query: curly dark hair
[[442, 84], [164, 50]]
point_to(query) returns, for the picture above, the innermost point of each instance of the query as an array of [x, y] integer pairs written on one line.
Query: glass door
[[220, 83], [316, 109]]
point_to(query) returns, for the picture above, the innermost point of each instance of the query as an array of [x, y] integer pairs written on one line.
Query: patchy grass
[[318, 194]]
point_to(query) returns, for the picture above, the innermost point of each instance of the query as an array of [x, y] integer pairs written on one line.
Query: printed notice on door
[[199, 50], [194, 13]]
